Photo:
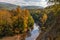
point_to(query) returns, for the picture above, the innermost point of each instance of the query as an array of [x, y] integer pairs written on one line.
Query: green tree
[[30, 21]]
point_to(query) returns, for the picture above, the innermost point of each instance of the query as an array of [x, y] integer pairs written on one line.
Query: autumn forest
[[19, 21]]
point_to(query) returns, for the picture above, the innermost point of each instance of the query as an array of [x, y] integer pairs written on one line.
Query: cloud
[[32, 0], [35, 0], [27, 2]]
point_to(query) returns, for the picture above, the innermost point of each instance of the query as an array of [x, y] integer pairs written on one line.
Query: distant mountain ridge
[[7, 5], [12, 6], [32, 7]]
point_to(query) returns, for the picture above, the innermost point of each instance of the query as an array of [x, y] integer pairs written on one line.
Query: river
[[34, 33]]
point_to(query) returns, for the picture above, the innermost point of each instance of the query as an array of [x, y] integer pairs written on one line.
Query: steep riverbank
[[53, 32]]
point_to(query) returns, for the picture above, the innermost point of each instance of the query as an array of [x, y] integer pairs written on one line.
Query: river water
[[34, 33]]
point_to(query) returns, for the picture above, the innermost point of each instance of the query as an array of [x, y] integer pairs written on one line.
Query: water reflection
[[32, 35]]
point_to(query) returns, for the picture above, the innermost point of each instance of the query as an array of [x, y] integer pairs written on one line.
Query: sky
[[42, 3]]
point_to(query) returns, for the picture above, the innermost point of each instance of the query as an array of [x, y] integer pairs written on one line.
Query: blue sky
[[27, 2]]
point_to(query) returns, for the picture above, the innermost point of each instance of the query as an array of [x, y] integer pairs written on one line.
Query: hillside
[[16, 21], [52, 25], [32, 7], [7, 6]]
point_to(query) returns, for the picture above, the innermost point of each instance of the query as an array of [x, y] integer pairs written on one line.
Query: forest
[[15, 21], [19, 21], [47, 16]]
